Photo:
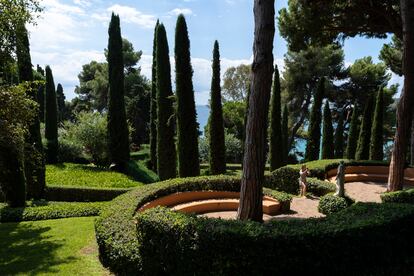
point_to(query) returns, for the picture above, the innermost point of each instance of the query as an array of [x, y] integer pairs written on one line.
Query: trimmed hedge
[[79, 194], [49, 210], [330, 204], [320, 187], [355, 241], [405, 196], [115, 228]]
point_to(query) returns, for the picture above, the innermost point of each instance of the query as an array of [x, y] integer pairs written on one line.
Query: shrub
[[406, 196], [80, 194], [356, 241], [234, 152], [284, 179], [49, 210], [320, 187], [330, 204]]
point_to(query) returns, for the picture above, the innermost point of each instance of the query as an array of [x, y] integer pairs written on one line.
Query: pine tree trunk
[[404, 112], [261, 82]]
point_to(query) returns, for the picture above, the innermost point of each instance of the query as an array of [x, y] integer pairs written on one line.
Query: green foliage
[[404, 196], [43, 210], [138, 171], [327, 134], [39, 75], [330, 204], [362, 152], [187, 126], [339, 137], [314, 131], [233, 116], [216, 125], [352, 135], [276, 151], [153, 104], [174, 243], [60, 97], [236, 83], [166, 152], [82, 194], [118, 134], [116, 230], [234, 152], [376, 151], [285, 135], [392, 54], [51, 119], [284, 179], [319, 187]]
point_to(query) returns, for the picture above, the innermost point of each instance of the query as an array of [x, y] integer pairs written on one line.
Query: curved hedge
[[404, 196], [364, 239], [115, 228], [330, 204]]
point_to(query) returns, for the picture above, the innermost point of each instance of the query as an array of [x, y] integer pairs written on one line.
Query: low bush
[[330, 204], [320, 187], [356, 241], [81, 194], [405, 196], [115, 228], [284, 179], [49, 210]]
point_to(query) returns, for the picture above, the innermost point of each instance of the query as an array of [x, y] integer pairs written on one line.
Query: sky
[[71, 33]]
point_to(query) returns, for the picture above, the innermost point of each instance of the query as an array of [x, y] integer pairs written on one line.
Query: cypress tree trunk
[[405, 106], [216, 123], [327, 134], [187, 127], [314, 130], [51, 119], [362, 152], [251, 193], [34, 163], [285, 135], [153, 105], [352, 136], [60, 102], [166, 153], [376, 151], [276, 145], [339, 138], [117, 124]]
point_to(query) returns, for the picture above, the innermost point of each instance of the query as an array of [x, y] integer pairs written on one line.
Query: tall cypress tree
[[166, 152], [285, 135], [117, 123], [216, 123], [376, 151], [60, 97], [276, 146], [187, 127], [352, 135], [339, 138], [41, 94], [314, 130], [362, 152], [153, 104], [51, 119], [327, 134]]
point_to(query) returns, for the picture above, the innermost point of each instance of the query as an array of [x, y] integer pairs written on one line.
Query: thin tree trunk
[[404, 112], [262, 71], [412, 141]]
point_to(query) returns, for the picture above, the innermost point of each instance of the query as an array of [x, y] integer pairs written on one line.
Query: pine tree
[[376, 151], [362, 152], [60, 97], [51, 119], [314, 131], [166, 152], [276, 146], [339, 138], [41, 95], [327, 134], [216, 123], [117, 124], [352, 136], [187, 127], [153, 105], [285, 135]]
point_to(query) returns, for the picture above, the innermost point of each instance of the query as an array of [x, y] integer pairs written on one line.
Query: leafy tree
[[285, 135], [314, 131], [339, 137], [352, 135], [187, 126], [327, 134], [233, 116], [362, 152], [166, 152], [34, 159], [376, 151], [216, 124], [392, 54], [51, 119], [276, 145], [236, 83], [153, 105], [117, 125]]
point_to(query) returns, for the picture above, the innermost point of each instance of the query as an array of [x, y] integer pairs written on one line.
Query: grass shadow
[[139, 172]]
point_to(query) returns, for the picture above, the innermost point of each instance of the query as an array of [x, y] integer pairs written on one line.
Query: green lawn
[[79, 175], [50, 247]]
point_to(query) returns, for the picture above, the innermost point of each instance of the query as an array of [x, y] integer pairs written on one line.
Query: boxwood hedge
[[405, 196], [330, 204], [82, 194], [115, 228]]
